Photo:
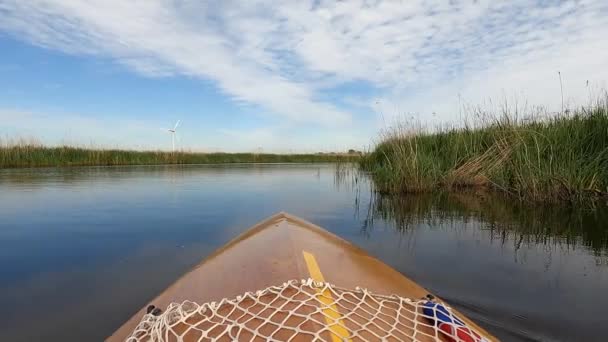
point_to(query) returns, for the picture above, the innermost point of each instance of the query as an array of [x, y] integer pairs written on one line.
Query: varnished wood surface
[[270, 253]]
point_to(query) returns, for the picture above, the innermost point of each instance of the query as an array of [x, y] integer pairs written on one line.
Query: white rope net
[[306, 311]]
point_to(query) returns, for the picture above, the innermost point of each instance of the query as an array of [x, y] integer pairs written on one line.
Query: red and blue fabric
[[454, 329]]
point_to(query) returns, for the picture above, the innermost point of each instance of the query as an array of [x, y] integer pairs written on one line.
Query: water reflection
[[506, 220], [91, 245], [524, 271]]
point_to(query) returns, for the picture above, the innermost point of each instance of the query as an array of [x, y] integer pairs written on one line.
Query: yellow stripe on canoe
[[331, 313]]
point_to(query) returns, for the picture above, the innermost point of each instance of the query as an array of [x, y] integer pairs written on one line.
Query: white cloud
[[159, 38], [282, 56]]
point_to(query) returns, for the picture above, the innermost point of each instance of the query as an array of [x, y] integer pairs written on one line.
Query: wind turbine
[[172, 132]]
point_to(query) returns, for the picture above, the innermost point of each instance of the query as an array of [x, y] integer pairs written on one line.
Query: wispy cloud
[[281, 56], [158, 38]]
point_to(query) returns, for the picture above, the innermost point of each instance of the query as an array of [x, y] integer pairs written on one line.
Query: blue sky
[[288, 76]]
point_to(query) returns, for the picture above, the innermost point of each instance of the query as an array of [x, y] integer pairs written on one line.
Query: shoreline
[[38, 156]]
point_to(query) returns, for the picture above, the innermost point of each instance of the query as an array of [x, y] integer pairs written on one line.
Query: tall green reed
[[534, 155]]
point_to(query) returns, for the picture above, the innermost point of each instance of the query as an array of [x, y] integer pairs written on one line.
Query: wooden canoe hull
[[270, 253]]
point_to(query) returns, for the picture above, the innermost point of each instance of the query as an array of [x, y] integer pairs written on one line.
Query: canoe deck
[[274, 251]]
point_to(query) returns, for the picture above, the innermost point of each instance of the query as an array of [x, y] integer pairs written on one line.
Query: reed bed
[[538, 156], [29, 154]]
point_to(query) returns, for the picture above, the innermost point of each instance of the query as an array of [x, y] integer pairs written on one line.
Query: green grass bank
[[540, 157], [34, 155]]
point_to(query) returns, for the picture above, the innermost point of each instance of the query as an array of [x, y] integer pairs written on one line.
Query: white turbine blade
[[176, 124]]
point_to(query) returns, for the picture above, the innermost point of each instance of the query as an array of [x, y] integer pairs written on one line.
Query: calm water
[[82, 249]]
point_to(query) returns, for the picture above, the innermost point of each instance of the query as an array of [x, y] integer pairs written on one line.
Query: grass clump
[[561, 157]]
